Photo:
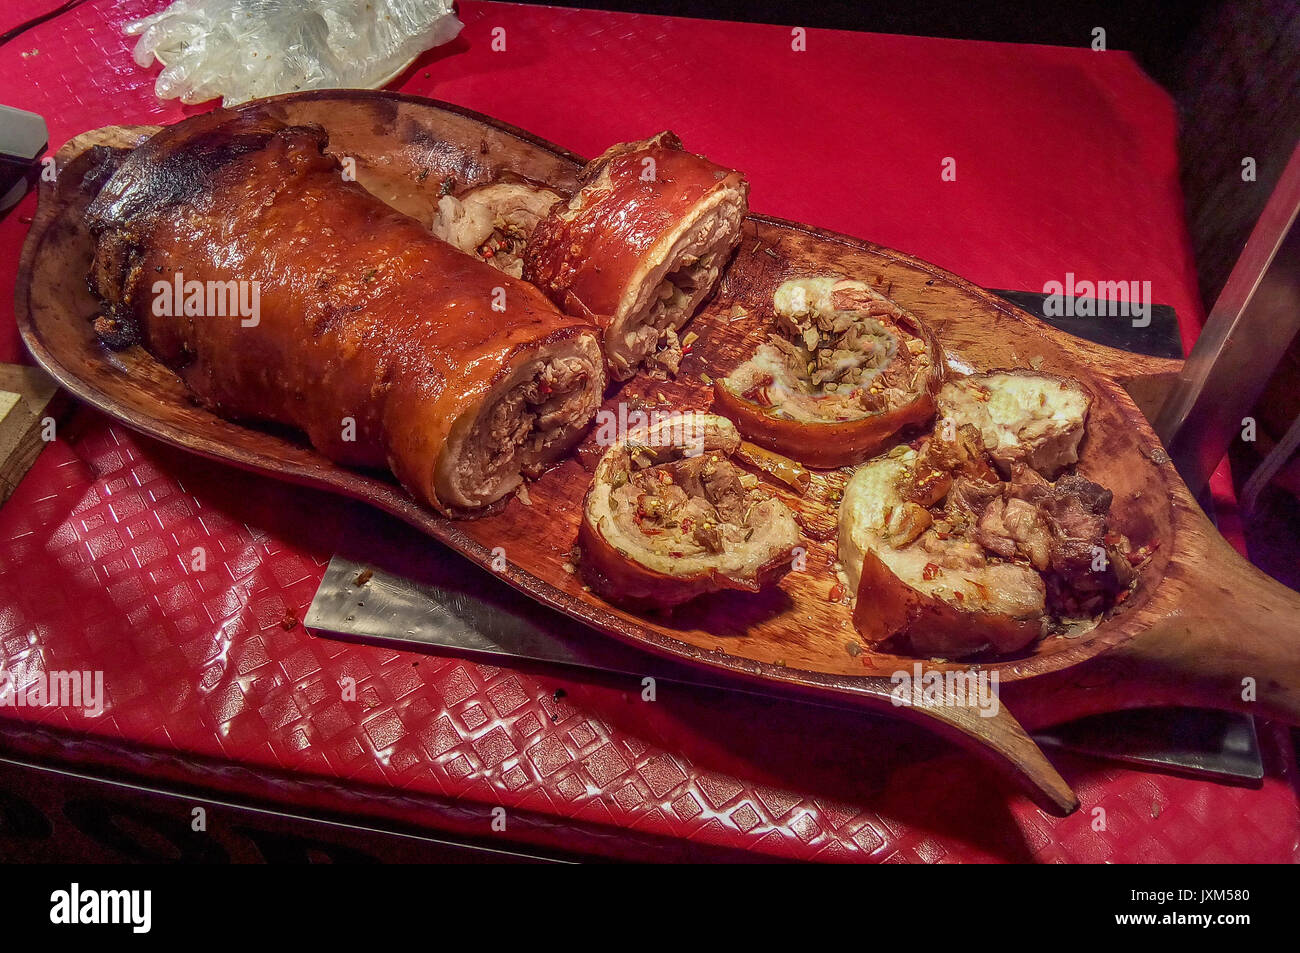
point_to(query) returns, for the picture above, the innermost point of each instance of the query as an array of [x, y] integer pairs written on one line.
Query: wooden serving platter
[[1201, 620]]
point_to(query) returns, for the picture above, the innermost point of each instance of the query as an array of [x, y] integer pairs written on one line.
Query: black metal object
[[1181, 740], [1159, 338], [23, 138]]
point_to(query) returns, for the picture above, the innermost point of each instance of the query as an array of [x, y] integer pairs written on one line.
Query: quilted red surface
[[1065, 162]]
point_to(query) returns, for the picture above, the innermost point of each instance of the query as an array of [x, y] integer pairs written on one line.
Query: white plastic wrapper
[[246, 49]]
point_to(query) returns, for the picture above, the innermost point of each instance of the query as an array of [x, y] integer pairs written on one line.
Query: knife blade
[[367, 604], [359, 602]]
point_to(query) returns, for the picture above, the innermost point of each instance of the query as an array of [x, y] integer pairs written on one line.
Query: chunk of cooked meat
[[1085, 555], [848, 370], [377, 340], [1024, 524], [639, 247], [1012, 528], [1021, 416], [669, 517], [968, 499], [1077, 511], [493, 222], [932, 592], [948, 559], [958, 453]]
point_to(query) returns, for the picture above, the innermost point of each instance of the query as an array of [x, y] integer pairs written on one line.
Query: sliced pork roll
[[848, 369], [639, 247], [927, 589], [493, 222], [384, 344], [948, 559], [669, 517]]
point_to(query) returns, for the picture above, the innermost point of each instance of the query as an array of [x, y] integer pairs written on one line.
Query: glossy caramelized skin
[[605, 254], [620, 226], [363, 317]]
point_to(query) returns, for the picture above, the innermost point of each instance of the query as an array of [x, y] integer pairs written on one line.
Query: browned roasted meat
[[384, 344], [1014, 528], [639, 247], [968, 499], [1087, 557], [669, 517], [948, 558]]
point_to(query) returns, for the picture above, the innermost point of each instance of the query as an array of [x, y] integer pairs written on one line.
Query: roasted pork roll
[[669, 517], [948, 559], [929, 590], [231, 247], [846, 371], [493, 222], [639, 247]]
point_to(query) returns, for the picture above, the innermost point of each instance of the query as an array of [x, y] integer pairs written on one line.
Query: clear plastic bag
[[245, 49]]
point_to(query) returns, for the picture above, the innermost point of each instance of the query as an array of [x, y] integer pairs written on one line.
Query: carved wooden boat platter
[[1200, 622]]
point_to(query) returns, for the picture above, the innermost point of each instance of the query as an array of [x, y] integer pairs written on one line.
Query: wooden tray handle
[[1002, 741], [1147, 379], [1231, 640]]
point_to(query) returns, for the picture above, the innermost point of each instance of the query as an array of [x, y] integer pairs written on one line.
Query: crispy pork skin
[[846, 371], [639, 247], [1023, 416], [669, 517], [384, 344]]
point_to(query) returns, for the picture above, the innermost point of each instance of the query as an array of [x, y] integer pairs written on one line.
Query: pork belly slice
[[493, 222], [1023, 416], [639, 247], [386, 346], [847, 370], [669, 516]]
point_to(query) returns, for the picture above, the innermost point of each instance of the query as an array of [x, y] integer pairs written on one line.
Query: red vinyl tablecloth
[[1065, 162]]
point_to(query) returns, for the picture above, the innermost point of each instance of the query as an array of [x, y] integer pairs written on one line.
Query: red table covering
[[1065, 161]]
